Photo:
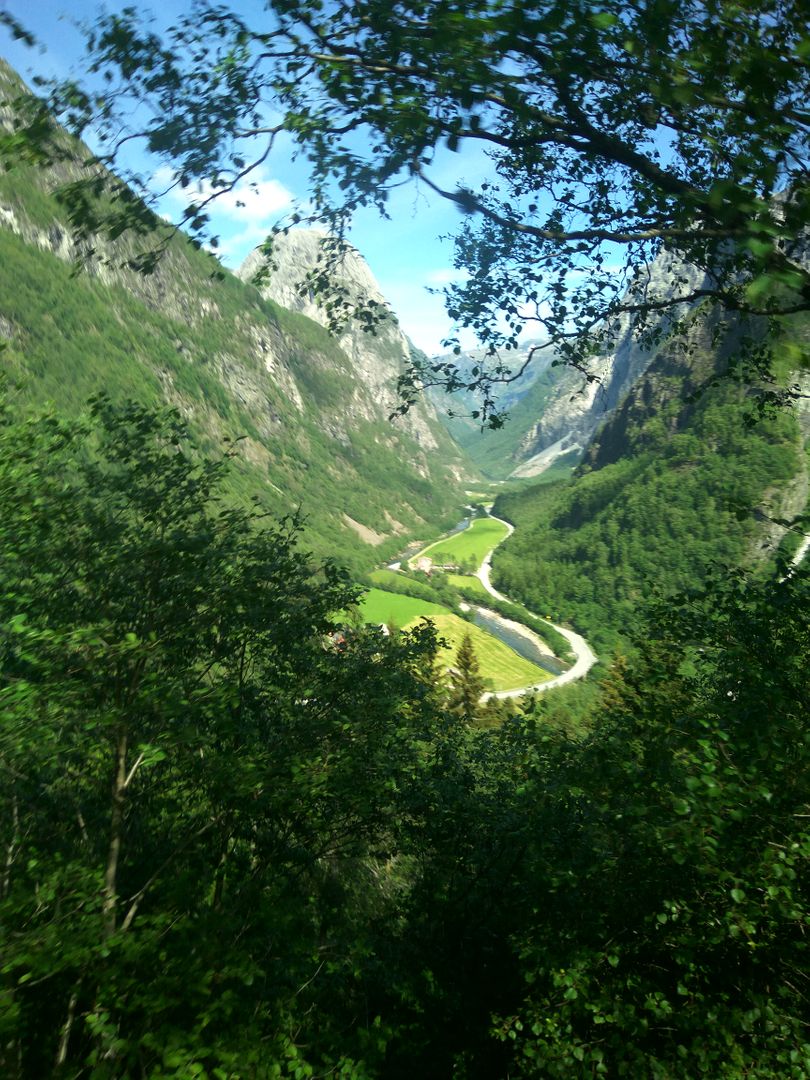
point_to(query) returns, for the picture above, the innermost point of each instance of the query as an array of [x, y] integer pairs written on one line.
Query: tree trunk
[[11, 847], [109, 907]]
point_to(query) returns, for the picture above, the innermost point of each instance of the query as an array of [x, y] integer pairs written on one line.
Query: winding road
[[584, 655]]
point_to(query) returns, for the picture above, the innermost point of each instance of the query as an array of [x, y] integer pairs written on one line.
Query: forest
[[308, 864], [653, 522]]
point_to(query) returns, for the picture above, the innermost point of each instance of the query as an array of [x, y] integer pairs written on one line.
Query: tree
[[670, 854], [195, 788], [466, 683], [616, 131]]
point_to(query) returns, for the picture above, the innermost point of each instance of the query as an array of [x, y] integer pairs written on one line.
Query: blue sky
[[407, 254]]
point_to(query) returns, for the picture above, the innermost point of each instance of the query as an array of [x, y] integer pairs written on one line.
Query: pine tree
[[466, 682]]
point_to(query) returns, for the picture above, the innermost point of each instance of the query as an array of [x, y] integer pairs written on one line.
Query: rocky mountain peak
[[574, 409], [377, 357]]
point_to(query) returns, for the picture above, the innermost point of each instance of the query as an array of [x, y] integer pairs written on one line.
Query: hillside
[[500, 452], [259, 821], [376, 358], [677, 481], [554, 410], [313, 431]]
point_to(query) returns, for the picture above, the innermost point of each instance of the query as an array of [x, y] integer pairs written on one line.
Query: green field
[[379, 606], [470, 584], [500, 666], [385, 576], [473, 544]]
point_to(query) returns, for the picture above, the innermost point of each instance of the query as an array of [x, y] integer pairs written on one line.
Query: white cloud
[[251, 204], [446, 276], [241, 217]]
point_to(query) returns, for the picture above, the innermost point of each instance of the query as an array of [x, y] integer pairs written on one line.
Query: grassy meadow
[[469, 584], [396, 609], [500, 666], [470, 546]]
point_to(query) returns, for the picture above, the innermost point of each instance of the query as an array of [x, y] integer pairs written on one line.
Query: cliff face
[[573, 410], [311, 420], [376, 358], [665, 403]]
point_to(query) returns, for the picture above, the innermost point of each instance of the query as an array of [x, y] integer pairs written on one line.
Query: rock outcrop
[[308, 413], [575, 409], [377, 358]]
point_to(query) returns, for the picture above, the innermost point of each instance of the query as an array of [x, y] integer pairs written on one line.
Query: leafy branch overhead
[[614, 131]]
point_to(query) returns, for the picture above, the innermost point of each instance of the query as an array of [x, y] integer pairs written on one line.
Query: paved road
[[585, 657]]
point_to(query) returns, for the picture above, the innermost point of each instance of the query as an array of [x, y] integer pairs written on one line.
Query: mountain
[[497, 452], [553, 411], [574, 409], [376, 358], [310, 419], [681, 478]]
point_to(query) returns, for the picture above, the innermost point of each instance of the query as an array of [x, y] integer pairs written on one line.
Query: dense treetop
[[237, 848]]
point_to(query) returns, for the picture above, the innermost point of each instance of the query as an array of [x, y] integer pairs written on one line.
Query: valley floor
[[585, 656], [509, 674]]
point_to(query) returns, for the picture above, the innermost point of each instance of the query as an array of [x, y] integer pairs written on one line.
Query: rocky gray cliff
[[574, 409], [377, 358], [666, 398]]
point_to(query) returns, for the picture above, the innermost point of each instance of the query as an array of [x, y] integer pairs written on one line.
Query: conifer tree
[[466, 682]]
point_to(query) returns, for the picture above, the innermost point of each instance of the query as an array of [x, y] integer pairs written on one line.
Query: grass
[[386, 577], [379, 606], [500, 666], [469, 547], [469, 584]]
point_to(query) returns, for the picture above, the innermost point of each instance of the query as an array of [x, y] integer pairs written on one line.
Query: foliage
[[238, 846], [687, 850], [192, 776], [613, 132], [233, 362], [242, 840], [594, 550], [466, 683]]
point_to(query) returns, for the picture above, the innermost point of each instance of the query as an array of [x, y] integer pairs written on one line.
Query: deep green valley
[[374, 715]]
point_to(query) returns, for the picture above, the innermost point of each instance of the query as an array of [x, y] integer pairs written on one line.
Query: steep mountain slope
[[497, 452], [674, 482], [312, 430], [553, 410], [376, 358], [574, 410]]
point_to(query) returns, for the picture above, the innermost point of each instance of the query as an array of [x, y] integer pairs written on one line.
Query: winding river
[[531, 647], [584, 656]]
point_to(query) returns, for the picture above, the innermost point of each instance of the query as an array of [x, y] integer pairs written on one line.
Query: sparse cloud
[[447, 275], [421, 315], [241, 217]]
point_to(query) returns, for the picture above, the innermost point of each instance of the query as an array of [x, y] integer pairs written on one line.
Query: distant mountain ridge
[[575, 409], [554, 411], [376, 358]]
